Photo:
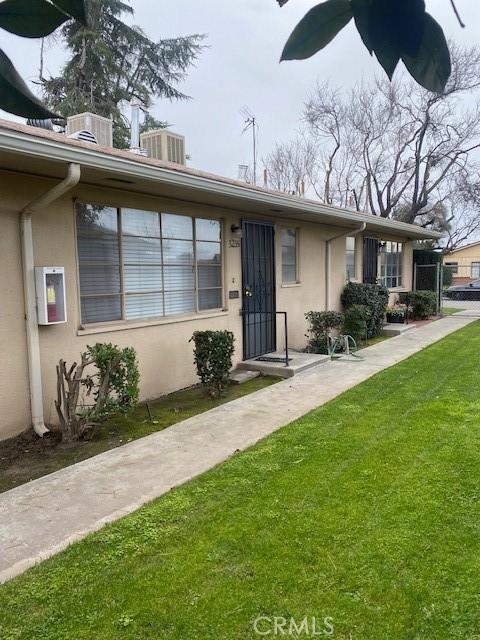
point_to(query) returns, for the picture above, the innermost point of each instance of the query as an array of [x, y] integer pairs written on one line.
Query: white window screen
[[350, 258], [139, 264], [289, 256], [391, 264]]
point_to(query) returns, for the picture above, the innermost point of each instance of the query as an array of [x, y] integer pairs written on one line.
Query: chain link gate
[[461, 290]]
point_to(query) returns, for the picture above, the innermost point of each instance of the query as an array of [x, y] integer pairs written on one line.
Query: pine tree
[[112, 62]]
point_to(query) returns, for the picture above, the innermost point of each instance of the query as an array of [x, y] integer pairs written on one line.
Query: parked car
[[470, 291]]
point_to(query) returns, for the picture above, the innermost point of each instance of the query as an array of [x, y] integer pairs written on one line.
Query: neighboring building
[[464, 263], [152, 251]]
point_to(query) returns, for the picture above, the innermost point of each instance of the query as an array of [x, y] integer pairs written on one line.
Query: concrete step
[[239, 376], [396, 329], [298, 361]]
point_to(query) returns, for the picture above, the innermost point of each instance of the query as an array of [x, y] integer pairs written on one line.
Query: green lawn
[[450, 311], [367, 511], [27, 457]]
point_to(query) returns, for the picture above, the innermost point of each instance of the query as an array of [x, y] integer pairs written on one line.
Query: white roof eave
[[28, 145]]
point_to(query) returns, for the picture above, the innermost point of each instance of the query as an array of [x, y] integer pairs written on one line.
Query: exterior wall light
[[236, 230]]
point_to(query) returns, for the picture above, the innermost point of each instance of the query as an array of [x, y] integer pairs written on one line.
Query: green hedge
[[374, 298], [356, 321], [213, 358], [320, 326], [422, 303]]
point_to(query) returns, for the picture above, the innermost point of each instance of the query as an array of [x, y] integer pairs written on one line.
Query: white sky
[[240, 68]]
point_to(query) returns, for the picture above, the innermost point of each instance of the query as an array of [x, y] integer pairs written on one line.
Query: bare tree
[[290, 165], [388, 147]]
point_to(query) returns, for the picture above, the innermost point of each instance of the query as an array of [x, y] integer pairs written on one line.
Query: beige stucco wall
[[164, 353], [464, 258]]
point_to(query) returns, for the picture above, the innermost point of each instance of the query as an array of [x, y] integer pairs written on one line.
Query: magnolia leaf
[[74, 8], [317, 28], [30, 18], [15, 96], [361, 14], [431, 67]]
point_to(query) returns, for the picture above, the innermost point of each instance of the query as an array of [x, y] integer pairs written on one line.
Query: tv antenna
[[251, 124]]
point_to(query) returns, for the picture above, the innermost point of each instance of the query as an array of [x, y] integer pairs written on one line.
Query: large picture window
[[390, 259], [142, 264]]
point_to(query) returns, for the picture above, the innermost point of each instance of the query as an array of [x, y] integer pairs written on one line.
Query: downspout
[[28, 265], [328, 258]]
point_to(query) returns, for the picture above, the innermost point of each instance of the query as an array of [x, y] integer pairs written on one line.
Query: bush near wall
[[320, 326], [357, 317], [373, 297], [213, 359], [422, 303]]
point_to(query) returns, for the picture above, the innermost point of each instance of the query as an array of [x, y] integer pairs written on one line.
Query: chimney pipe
[[135, 124]]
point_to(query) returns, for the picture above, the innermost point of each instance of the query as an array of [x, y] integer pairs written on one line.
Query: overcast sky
[[240, 69]]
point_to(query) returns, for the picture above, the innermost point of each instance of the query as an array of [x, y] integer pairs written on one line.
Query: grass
[[450, 311], [26, 457], [366, 510]]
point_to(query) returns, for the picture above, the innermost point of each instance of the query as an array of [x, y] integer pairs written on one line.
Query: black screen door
[[370, 260], [258, 280]]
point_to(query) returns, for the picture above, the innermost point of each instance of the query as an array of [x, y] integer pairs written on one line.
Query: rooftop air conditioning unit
[[99, 126], [161, 144]]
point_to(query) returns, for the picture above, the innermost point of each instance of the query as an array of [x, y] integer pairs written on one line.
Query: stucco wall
[[164, 353]]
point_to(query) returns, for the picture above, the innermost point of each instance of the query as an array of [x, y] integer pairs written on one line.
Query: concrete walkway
[[44, 516]]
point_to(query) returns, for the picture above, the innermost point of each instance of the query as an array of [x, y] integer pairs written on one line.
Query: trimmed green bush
[[356, 321], [372, 296], [321, 324], [115, 386], [213, 358], [422, 303]]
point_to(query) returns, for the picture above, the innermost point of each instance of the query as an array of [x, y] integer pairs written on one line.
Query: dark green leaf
[[74, 8], [15, 96], [388, 56], [30, 18], [431, 67], [361, 14], [317, 28]]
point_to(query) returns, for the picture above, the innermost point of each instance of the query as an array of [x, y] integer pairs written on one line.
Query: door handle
[[247, 292]]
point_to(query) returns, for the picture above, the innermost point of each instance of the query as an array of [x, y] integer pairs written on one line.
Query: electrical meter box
[[50, 286]]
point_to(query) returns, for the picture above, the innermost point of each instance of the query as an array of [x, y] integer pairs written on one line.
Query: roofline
[[465, 246], [41, 146]]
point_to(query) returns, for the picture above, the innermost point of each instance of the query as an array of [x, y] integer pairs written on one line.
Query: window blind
[[139, 264]]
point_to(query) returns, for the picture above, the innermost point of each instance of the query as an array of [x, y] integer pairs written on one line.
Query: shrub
[[116, 388], [372, 296], [213, 358], [321, 324], [356, 321], [447, 276], [422, 303]]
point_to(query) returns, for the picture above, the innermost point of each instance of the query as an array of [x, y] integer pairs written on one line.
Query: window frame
[[476, 264], [162, 318], [296, 281], [453, 266], [385, 277], [353, 251]]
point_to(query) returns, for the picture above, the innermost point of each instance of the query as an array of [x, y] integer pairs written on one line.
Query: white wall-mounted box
[[51, 301]]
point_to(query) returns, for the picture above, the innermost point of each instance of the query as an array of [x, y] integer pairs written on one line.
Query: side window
[[289, 256], [350, 259]]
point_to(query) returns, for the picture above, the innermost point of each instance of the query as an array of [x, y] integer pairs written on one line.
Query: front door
[[258, 281]]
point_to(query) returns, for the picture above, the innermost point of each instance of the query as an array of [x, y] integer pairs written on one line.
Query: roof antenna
[[251, 123]]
